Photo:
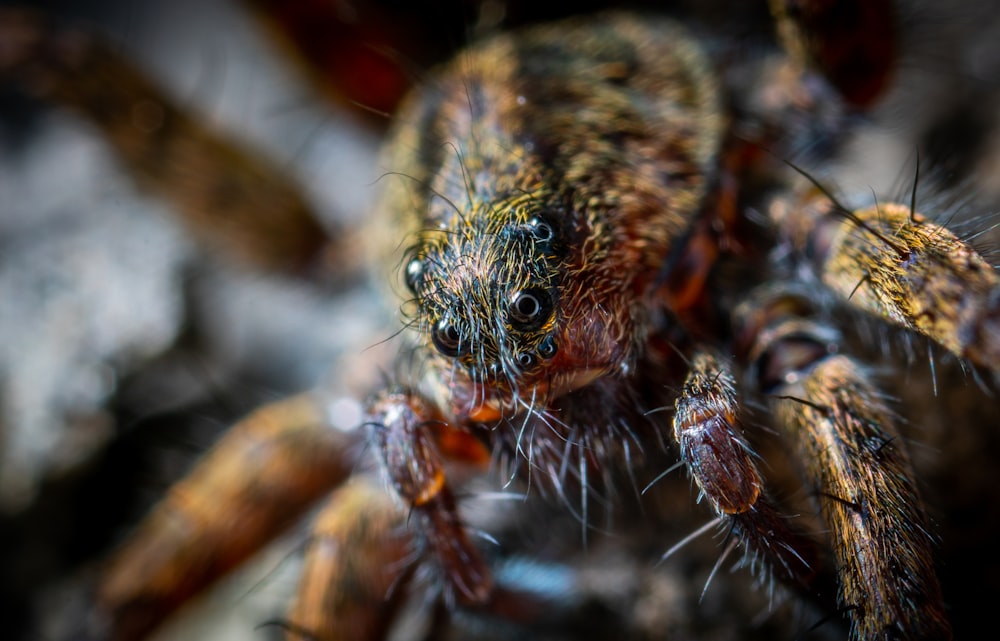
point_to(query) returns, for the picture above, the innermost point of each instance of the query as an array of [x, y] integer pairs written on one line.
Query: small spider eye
[[547, 348], [413, 273], [529, 307], [525, 360], [541, 230], [448, 339]]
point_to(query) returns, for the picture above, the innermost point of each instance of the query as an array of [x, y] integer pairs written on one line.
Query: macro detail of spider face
[[633, 308], [492, 305]]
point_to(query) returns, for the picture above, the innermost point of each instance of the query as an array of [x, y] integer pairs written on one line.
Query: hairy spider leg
[[403, 429], [257, 480], [356, 568], [891, 261], [230, 197], [854, 461], [722, 464]]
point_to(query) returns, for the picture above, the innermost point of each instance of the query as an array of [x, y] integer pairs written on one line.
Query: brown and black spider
[[592, 233]]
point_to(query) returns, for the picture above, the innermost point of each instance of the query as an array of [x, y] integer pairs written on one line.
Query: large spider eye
[[448, 339], [413, 274], [529, 308]]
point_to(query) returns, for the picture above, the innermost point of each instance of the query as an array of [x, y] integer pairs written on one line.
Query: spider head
[[497, 307]]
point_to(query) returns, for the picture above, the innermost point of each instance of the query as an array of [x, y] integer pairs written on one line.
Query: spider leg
[[404, 429], [844, 432], [892, 262], [267, 470], [230, 197], [853, 43], [721, 463], [355, 569]]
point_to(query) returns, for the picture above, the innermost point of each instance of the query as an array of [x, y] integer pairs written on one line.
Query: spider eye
[[413, 274], [541, 229], [525, 360], [448, 339], [547, 348], [529, 308]]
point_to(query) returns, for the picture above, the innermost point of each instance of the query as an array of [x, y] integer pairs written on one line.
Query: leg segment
[[355, 570], [892, 262], [853, 43], [228, 195], [721, 462], [404, 428], [266, 471], [853, 456]]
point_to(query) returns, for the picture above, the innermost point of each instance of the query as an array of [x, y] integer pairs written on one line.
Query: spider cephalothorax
[[546, 177]]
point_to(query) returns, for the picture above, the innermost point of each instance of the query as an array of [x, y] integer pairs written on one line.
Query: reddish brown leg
[[229, 196], [266, 471], [356, 568], [851, 42], [404, 429], [716, 231], [853, 456], [721, 462]]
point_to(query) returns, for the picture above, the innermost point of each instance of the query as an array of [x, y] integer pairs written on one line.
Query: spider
[[598, 261]]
